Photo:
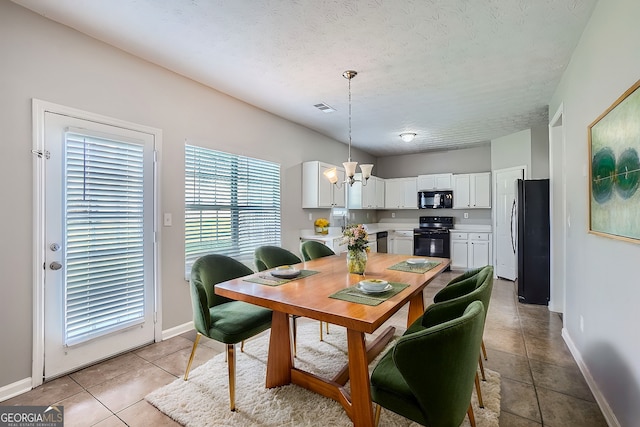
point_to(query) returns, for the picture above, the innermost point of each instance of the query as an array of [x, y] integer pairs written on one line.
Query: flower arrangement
[[321, 222], [355, 236]]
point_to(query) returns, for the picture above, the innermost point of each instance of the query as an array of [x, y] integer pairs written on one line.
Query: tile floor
[[541, 383]]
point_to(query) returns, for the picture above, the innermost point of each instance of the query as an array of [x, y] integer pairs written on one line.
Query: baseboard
[[177, 330], [14, 389], [608, 414]]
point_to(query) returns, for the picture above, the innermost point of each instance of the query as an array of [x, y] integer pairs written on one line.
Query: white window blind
[[104, 245], [232, 204]]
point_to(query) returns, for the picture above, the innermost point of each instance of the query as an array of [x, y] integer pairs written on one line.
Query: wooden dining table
[[309, 297]]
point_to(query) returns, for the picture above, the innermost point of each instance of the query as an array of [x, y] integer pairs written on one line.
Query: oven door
[[431, 243]]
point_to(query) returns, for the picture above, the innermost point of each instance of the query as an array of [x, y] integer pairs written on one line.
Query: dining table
[[329, 293]]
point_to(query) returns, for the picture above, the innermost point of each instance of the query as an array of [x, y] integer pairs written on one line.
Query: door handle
[[513, 244], [55, 265]]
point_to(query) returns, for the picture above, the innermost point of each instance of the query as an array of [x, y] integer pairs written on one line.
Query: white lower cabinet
[[470, 250], [401, 242]]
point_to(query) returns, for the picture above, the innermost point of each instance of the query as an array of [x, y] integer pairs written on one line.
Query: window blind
[[104, 289], [232, 204]]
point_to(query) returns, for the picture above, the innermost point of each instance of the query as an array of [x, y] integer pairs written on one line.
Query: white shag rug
[[203, 400]]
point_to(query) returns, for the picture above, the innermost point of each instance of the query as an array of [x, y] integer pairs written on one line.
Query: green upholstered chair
[[220, 318], [267, 257], [475, 284], [428, 375], [312, 249]]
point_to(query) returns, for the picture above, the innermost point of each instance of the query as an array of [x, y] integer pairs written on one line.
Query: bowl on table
[[374, 285]]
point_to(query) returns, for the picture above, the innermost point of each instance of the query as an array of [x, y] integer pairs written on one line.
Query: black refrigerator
[[533, 242]]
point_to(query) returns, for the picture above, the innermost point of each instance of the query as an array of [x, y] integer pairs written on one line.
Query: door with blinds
[[99, 236]]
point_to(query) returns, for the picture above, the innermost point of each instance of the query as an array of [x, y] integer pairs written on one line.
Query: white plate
[[417, 261], [286, 274], [366, 291]]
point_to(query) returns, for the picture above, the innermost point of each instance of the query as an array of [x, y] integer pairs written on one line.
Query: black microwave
[[435, 199]]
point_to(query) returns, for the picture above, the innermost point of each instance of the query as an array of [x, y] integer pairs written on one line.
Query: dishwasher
[[381, 239]]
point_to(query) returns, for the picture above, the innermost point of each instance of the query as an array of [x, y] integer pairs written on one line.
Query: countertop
[[335, 232]]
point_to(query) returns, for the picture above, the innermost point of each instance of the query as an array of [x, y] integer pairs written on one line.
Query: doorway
[[558, 209], [95, 239]]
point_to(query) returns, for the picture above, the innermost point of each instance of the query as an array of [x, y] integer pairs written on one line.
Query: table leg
[[416, 308], [361, 406], [279, 360]]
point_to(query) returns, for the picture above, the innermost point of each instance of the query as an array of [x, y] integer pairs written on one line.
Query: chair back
[[267, 257], [312, 249], [439, 365], [206, 272]]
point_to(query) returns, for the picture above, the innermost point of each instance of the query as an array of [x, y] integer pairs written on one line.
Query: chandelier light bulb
[[407, 136]]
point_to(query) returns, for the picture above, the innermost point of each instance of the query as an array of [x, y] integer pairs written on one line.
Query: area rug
[[203, 400]]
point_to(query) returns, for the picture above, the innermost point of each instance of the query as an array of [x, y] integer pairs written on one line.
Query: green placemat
[[414, 268], [353, 294], [265, 278]]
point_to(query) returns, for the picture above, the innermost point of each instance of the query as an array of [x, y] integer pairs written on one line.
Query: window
[[232, 204]]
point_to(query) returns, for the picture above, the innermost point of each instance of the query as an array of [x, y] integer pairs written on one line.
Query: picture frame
[[614, 169]]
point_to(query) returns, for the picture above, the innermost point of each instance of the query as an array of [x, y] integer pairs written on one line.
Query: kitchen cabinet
[[335, 243], [472, 190], [401, 242], [470, 250], [440, 181], [317, 191], [370, 196], [401, 193]]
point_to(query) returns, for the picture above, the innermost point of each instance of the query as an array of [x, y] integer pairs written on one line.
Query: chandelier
[[349, 166]]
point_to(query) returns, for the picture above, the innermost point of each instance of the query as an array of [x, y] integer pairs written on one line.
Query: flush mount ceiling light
[[349, 166], [407, 136]]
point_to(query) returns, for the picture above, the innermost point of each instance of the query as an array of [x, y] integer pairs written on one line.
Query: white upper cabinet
[[440, 181], [472, 191], [370, 196], [401, 193], [317, 191]]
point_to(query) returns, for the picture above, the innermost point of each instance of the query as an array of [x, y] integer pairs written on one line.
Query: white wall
[[512, 150], [603, 284], [48, 61]]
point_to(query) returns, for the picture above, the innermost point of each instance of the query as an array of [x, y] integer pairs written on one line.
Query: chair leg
[[193, 353], [295, 335], [472, 419], [479, 391], [321, 331], [484, 350], [481, 368], [242, 346], [231, 357], [327, 328], [376, 419]]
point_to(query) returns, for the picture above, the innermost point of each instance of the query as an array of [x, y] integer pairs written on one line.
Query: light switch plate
[[168, 220]]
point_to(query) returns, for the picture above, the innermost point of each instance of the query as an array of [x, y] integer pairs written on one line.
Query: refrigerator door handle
[[513, 242]]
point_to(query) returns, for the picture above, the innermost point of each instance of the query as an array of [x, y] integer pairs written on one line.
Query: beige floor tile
[[112, 421], [161, 349], [143, 414], [48, 393], [507, 340], [176, 363], [510, 420], [553, 351], [563, 379], [561, 410], [83, 409], [509, 365], [127, 389], [96, 374], [519, 399]]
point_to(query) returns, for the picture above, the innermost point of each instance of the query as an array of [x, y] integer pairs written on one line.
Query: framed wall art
[[614, 143]]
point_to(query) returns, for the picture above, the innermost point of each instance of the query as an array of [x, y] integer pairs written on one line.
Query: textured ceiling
[[456, 72]]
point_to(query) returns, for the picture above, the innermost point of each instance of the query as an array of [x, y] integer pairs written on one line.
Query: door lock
[[54, 247], [55, 265]]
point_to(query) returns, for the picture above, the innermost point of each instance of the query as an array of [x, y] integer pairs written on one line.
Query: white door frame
[[558, 256], [494, 202], [39, 108]]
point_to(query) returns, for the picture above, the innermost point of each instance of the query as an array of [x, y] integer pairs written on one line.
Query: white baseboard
[[608, 414], [177, 330], [14, 389]]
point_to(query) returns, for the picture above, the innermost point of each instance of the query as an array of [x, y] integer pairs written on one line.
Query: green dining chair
[[312, 249], [219, 318], [268, 257], [473, 284], [428, 374]]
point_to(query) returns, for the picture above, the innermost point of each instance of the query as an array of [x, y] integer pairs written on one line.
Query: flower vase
[[322, 230], [356, 261]]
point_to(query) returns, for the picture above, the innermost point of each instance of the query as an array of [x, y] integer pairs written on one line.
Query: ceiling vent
[[324, 108]]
